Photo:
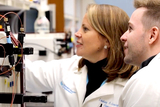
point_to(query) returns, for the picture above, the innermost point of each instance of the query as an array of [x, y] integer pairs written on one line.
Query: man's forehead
[[137, 15], [139, 11]]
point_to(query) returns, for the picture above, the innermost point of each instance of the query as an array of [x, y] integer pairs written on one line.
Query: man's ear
[[154, 34]]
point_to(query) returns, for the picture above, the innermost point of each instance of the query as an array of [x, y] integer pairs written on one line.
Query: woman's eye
[[85, 29]]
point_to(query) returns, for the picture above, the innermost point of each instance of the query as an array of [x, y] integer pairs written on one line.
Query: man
[[142, 48]]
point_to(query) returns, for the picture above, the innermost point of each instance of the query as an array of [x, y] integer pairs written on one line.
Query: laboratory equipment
[[12, 81]]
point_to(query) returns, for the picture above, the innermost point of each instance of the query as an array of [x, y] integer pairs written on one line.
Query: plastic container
[[42, 24]]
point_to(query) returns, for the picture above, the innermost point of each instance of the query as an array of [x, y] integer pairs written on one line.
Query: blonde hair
[[151, 16], [111, 22]]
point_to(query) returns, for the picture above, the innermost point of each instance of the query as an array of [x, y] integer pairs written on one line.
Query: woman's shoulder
[[71, 59], [120, 81]]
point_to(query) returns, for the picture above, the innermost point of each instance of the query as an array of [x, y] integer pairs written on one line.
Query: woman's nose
[[78, 34]]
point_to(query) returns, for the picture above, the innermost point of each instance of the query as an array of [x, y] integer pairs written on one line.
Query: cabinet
[[59, 5]]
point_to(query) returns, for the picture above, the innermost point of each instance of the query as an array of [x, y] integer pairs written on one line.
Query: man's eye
[[129, 28]]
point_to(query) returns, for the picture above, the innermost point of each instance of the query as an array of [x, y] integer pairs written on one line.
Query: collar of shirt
[[145, 63]]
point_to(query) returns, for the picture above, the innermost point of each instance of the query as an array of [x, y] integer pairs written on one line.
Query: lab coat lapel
[[106, 89], [80, 83]]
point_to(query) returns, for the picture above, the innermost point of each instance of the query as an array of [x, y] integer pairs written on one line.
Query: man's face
[[135, 39]]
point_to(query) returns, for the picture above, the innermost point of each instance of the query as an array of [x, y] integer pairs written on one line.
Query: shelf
[[17, 4], [70, 17]]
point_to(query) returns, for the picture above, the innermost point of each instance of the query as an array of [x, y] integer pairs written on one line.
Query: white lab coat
[[143, 89], [69, 85]]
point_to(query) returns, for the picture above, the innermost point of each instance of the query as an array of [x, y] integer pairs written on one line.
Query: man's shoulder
[[143, 86], [148, 75]]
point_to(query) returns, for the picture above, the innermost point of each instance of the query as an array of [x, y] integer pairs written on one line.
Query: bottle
[[41, 24]]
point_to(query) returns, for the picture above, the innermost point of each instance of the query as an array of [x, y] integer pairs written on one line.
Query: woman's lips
[[78, 44]]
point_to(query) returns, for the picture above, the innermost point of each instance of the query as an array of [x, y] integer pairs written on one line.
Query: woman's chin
[[79, 53]]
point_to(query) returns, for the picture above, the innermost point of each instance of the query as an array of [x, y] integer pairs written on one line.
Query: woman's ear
[[107, 44], [154, 34]]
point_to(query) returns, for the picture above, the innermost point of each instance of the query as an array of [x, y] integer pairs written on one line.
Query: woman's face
[[90, 44]]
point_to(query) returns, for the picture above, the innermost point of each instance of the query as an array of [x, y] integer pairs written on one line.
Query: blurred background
[[48, 34]]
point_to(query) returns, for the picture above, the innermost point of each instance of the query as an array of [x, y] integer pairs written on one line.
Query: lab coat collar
[[156, 58], [121, 81]]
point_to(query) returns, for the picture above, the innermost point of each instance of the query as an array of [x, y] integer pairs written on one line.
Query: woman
[[95, 76]]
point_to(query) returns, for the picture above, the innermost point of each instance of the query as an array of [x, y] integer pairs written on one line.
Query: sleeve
[[141, 92], [36, 74], [42, 76]]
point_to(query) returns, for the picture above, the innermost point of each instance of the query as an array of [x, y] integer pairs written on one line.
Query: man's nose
[[123, 37]]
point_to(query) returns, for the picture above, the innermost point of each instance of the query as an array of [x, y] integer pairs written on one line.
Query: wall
[[81, 10], [126, 5]]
